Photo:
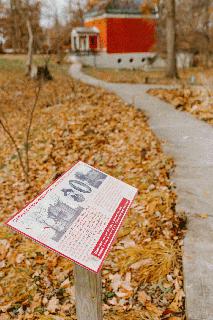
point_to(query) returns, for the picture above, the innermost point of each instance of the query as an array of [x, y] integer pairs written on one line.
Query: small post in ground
[[88, 294]]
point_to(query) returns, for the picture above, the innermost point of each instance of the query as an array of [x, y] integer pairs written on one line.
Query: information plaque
[[78, 216]]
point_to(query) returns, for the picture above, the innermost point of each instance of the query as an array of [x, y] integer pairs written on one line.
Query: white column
[[87, 43], [72, 42], [78, 42]]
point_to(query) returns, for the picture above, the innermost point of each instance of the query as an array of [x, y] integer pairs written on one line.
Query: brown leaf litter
[[142, 277], [196, 100]]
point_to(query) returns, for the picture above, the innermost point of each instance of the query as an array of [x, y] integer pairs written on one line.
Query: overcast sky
[[50, 10], [60, 5]]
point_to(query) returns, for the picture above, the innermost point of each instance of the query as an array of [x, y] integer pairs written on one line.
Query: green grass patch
[[11, 65], [17, 63]]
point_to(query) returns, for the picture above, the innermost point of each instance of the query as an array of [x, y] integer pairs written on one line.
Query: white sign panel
[[78, 216]]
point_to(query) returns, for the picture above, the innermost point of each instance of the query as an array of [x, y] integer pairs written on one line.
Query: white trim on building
[[119, 15]]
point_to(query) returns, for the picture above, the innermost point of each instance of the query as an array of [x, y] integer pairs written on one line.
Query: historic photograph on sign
[[77, 216]]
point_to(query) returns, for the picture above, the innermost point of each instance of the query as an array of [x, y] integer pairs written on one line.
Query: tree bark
[[171, 39], [14, 26], [30, 48], [58, 39], [206, 31]]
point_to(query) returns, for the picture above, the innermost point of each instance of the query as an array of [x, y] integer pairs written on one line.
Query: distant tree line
[[193, 27], [13, 23], [51, 35]]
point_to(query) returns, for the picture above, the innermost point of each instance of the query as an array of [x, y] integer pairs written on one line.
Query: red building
[[118, 33]]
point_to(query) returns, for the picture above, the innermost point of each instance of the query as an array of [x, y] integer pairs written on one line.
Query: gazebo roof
[[92, 30]]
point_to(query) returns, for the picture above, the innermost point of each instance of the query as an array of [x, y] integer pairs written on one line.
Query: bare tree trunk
[[206, 29], [58, 39], [171, 39], [14, 26], [30, 48]]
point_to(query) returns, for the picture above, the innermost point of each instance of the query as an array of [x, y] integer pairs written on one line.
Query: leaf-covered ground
[[142, 276], [197, 101]]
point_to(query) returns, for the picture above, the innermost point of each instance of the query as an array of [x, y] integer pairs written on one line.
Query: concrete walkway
[[190, 142]]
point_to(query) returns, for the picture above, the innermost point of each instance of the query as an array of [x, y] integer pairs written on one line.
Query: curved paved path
[[190, 142]]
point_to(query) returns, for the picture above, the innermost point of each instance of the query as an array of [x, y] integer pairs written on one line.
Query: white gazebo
[[85, 39]]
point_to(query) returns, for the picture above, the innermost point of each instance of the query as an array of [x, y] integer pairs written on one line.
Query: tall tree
[[59, 31], [204, 7], [54, 31], [194, 29], [29, 62], [14, 25], [171, 39], [58, 38], [2, 7], [15, 28]]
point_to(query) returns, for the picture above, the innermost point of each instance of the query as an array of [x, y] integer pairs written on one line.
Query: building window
[[75, 43], [143, 59], [119, 60], [131, 60], [93, 42]]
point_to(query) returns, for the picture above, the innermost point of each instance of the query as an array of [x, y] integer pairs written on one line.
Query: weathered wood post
[[88, 293]]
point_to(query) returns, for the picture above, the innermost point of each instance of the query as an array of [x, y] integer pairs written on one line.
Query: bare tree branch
[[30, 125], [23, 159], [9, 134], [30, 47]]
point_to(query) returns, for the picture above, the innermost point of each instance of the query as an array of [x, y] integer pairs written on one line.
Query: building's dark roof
[[116, 6]]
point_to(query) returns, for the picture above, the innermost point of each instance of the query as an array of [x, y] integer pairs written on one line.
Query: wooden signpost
[[78, 216], [88, 293]]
